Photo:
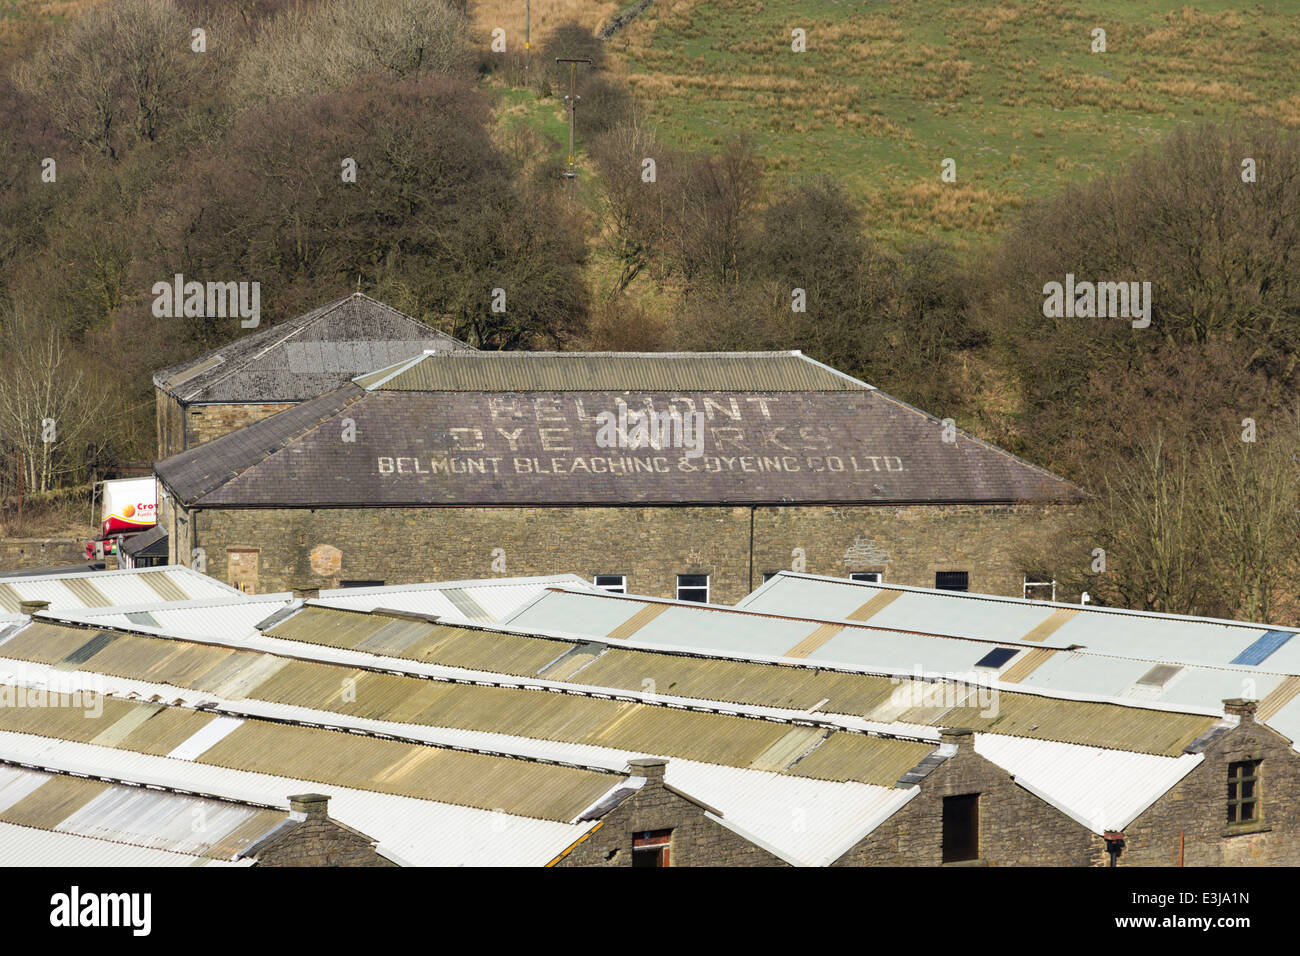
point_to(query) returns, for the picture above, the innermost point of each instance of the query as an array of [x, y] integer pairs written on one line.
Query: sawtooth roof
[[304, 356], [473, 429]]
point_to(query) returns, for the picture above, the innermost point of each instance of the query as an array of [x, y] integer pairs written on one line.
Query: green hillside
[[1012, 92]]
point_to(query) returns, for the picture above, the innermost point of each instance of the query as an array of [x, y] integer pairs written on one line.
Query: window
[[361, 584], [952, 580], [1039, 590], [961, 828], [651, 847], [693, 587], [1243, 791], [997, 657], [769, 575], [613, 583], [871, 577]]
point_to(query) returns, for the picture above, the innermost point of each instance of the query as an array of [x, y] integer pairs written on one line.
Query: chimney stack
[[1242, 708], [960, 737], [652, 768], [310, 806]]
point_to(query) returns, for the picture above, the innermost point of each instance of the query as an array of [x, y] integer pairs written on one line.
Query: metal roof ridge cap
[[981, 596], [867, 386], [108, 610], [399, 367], [543, 580], [135, 782], [785, 616]]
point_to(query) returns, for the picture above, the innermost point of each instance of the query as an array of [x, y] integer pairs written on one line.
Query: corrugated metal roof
[[728, 630], [810, 822], [304, 356], [707, 737], [420, 832], [1113, 631], [497, 597], [27, 846], [612, 372], [192, 826], [101, 589], [1102, 789]]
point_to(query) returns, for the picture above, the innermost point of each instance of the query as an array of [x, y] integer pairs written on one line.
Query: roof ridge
[[1029, 602], [310, 320]]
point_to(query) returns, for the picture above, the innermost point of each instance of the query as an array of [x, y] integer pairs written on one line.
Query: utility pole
[[528, 33], [572, 102]]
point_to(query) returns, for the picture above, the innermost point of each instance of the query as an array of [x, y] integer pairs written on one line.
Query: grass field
[[1011, 91]]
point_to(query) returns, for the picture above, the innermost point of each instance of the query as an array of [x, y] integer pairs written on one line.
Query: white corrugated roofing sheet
[[484, 600], [127, 587], [1084, 673], [28, 846], [1139, 634], [417, 832], [808, 822], [217, 617], [1102, 789]]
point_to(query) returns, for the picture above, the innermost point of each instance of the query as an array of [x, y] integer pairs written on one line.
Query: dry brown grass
[[487, 15]]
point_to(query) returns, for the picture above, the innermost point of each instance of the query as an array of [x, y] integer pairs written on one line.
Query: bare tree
[[126, 62], [301, 52], [1253, 493], [48, 414]]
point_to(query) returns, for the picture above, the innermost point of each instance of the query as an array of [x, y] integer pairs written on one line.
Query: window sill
[[980, 862], [1241, 829]]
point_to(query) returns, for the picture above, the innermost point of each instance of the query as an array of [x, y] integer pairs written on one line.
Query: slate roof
[[478, 447], [151, 543], [304, 356]]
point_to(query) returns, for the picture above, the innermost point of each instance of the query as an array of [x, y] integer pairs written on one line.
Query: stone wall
[[181, 427], [1193, 816], [322, 547], [317, 840], [1016, 828], [19, 554], [695, 841]]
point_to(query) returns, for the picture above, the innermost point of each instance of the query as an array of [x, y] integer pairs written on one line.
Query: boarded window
[[961, 828]]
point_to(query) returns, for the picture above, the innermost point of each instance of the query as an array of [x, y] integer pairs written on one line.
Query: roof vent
[[31, 607], [1159, 676]]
